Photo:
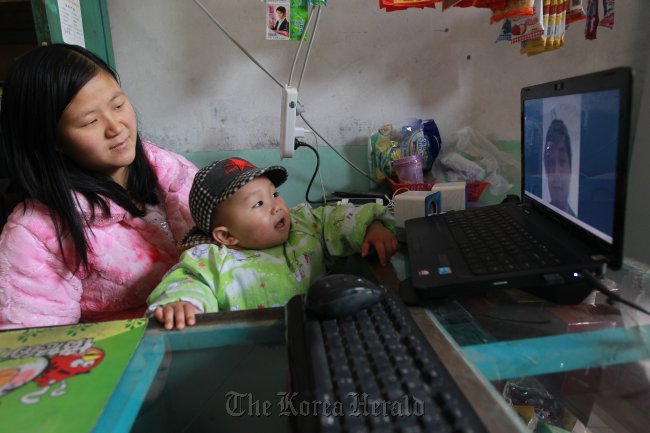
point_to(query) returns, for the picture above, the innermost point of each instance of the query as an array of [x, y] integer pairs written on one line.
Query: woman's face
[[98, 128]]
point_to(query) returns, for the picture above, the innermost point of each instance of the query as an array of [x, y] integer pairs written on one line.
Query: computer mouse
[[338, 295]]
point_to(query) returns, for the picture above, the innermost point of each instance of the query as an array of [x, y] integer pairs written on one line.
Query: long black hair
[[38, 87]]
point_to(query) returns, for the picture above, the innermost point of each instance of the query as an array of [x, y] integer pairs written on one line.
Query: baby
[[249, 250]]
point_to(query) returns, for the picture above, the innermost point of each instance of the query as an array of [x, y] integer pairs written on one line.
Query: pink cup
[[409, 169]]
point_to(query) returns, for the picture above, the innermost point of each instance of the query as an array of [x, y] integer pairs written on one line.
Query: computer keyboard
[[371, 371], [492, 242]]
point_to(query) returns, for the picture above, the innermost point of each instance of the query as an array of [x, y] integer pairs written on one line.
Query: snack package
[[486, 4], [529, 27], [592, 20], [392, 142], [397, 5], [382, 151], [297, 19], [554, 23], [537, 407], [576, 11], [557, 23], [514, 8], [506, 31], [608, 14]]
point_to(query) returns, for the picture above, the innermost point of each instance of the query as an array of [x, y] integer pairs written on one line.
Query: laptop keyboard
[[492, 242], [372, 371]]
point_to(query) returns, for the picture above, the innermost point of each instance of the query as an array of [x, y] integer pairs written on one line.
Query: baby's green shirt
[[217, 278]]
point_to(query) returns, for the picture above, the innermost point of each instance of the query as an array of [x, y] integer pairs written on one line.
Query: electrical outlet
[[288, 121]]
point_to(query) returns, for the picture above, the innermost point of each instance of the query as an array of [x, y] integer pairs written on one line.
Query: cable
[[218, 24], [302, 39], [313, 36], [611, 296], [303, 144], [338, 153]]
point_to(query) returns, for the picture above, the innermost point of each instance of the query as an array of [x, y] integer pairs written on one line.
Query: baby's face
[[257, 216]]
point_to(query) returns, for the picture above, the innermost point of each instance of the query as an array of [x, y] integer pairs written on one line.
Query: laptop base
[[560, 294], [563, 294]]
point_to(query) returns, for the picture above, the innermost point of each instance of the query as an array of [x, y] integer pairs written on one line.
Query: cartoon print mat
[[60, 378]]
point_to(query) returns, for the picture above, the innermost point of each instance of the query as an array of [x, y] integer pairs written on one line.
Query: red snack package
[[514, 8]]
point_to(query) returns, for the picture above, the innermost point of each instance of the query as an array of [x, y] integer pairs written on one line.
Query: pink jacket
[[127, 258]]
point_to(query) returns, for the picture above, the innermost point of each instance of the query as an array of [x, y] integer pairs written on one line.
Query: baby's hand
[[179, 313], [382, 239]]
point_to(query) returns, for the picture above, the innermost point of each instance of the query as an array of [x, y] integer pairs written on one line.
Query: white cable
[[313, 36], [218, 24], [302, 39], [391, 200]]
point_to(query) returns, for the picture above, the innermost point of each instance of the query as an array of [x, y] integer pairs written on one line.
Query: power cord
[[350, 163], [611, 296], [311, 181]]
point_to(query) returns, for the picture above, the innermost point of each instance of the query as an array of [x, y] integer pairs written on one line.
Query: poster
[[72, 28], [278, 14]]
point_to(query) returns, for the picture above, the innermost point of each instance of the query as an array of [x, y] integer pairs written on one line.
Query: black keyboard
[[372, 371], [492, 242]]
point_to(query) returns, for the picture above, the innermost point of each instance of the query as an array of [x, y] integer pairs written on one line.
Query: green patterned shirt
[[217, 278]]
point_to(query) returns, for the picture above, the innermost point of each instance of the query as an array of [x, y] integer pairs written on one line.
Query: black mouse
[[337, 295]]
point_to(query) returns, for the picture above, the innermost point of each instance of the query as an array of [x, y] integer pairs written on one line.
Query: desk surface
[[583, 367], [589, 363]]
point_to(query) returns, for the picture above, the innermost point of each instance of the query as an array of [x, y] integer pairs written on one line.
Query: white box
[[453, 196], [415, 204]]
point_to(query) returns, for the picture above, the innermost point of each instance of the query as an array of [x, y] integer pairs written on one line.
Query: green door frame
[[96, 26]]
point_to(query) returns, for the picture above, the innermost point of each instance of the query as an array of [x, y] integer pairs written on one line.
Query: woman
[[103, 208]]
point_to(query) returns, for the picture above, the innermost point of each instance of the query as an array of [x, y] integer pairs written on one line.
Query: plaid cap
[[216, 183]]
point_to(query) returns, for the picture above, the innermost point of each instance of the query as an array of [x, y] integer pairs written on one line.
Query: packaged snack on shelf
[[396, 141], [514, 8], [529, 27], [608, 14], [576, 11]]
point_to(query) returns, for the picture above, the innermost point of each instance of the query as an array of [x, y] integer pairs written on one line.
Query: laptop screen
[[575, 150]]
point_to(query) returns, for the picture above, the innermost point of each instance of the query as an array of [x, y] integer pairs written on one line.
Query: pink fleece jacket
[[127, 258]]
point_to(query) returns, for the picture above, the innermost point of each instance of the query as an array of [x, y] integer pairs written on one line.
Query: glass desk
[[525, 364], [577, 368]]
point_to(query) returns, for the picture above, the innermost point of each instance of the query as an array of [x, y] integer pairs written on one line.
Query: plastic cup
[[409, 169]]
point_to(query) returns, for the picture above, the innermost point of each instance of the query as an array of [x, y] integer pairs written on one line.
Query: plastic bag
[[536, 406], [469, 156]]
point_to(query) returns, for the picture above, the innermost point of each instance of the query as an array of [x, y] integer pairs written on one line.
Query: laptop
[[574, 149]]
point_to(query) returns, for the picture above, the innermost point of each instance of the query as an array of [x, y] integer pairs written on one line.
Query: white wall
[[195, 90]]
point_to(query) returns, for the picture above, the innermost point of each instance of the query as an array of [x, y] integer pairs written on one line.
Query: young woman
[[103, 208]]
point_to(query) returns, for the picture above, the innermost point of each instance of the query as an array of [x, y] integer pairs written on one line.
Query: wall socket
[[288, 121]]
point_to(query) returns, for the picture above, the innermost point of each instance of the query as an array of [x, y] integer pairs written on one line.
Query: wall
[[196, 91]]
